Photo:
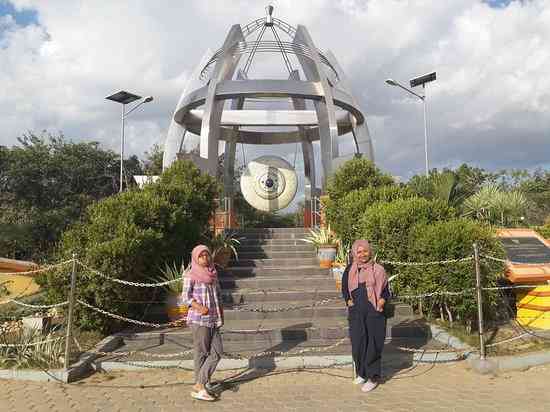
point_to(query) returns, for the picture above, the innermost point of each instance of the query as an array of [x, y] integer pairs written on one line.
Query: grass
[[500, 332]]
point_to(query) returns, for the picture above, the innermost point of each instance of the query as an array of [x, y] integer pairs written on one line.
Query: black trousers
[[367, 329]]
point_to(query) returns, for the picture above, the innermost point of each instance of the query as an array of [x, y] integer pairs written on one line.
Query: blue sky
[[22, 17]]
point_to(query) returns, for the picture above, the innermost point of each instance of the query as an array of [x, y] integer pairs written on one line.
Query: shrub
[[388, 224], [356, 174], [451, 240], [343, 214], [131, 236], [544, 231]]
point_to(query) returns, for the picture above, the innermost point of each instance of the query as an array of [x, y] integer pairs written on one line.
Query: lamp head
[[391, 82], [148, 99]]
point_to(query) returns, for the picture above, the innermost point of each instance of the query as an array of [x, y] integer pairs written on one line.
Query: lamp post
[[421, 80], [124, 98]]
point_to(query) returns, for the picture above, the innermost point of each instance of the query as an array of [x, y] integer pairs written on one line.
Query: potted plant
[[223, 246], [176, 308], [326, 242]]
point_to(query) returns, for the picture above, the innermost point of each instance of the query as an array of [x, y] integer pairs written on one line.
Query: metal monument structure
[[321, 104]]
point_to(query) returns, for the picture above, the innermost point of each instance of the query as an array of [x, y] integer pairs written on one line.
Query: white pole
[[121, 147], [425, 132]]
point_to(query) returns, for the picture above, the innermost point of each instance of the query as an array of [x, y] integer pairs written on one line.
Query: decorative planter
[[337, 272], [176, 308], [326, 255]]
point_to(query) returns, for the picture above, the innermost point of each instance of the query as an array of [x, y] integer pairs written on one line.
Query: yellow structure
[[17, 285], [533, 307], [533, 304]]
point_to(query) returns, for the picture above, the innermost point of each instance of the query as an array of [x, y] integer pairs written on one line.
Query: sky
[[489, 107]]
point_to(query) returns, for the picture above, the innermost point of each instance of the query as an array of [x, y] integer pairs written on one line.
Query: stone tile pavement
[[423, 387]]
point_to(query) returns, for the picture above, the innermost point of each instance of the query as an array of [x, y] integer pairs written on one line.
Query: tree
[[355, 174], [132, 236], [45, 184], [152, 165]]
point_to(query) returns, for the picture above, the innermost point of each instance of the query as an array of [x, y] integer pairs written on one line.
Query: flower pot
[[176, 308], [326, 255], [337, 272]]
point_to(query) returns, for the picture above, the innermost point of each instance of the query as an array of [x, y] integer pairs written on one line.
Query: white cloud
[[489, 106]]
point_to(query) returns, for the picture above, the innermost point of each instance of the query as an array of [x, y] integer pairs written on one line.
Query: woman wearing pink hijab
[[201, 291], [365, 291]]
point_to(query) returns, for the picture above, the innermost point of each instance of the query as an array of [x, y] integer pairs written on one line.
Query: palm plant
[[171, 273], [493, 205], [321, 237], [224, 240], [342, 255]]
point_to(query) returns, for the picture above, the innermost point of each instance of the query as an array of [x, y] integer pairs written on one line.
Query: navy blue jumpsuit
[[367, 329]]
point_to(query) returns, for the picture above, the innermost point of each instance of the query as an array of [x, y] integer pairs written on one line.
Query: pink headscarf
[[371, 273], [200, 273]]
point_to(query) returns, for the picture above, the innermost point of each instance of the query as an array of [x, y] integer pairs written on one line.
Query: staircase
[[277, 269]]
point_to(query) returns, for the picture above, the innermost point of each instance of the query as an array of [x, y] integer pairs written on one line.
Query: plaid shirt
[[206, 294]]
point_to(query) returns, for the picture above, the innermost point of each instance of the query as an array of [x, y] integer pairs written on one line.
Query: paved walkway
[[444, 387]]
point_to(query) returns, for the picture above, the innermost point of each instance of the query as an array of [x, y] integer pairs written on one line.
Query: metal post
[[70, 314], [121, 147], [425, 132], [479, 303]]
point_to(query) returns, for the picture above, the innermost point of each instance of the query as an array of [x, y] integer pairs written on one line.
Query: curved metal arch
[[269, 46]]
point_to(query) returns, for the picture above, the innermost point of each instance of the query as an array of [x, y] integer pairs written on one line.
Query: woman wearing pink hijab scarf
[[202, 293], [365, 291]]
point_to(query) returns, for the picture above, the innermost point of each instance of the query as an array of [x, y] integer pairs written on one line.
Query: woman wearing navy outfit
[[365, 291]]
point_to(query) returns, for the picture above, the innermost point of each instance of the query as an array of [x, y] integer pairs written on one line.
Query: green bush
[[343, 214], [388, 224], [452, 239], [544, 231], [132, 236], [355, 174]]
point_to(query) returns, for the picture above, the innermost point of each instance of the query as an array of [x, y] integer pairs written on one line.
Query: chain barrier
[[44, 269], [511, 262], [426, 351], [142, 353], [440, 262], [127, 282], [510, 287], [136, 322], [28, 305], [288, 308], [437, 293], [523, 335], [24, 345]]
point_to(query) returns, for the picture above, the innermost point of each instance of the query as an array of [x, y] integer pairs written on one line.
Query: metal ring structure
[[333, 110]]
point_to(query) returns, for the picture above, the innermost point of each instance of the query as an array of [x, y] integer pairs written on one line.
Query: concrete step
[[287, 235], [276, 248], [334, 309], [296, 272], [273, 242], [260, 254], [276, 263], [254, 297], [304, 329], [270, 230], [166, 343], [277, 283]]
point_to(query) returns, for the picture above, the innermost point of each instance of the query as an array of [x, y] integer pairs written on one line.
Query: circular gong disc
[[269, 183]]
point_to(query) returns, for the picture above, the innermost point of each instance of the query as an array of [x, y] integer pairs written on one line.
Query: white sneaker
[[369, 386], [359, 381]]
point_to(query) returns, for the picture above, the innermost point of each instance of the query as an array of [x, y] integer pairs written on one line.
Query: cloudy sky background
[[490, 106]]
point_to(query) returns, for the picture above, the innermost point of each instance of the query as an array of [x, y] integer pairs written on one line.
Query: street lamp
[[417, 81], [124, 98]]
